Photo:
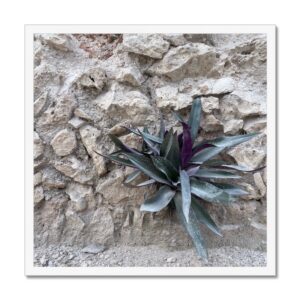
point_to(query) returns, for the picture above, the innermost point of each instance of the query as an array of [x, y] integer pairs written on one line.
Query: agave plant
[[184, 172]]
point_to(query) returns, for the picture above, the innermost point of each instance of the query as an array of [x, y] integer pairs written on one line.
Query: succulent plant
[[184, 171]]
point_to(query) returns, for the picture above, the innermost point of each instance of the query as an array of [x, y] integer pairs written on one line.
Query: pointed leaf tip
[[195, 116]]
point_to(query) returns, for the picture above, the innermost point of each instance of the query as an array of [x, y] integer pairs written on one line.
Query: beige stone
[[58, 41], [59, 112], [74, 168], [233, 126], [255, 125], [152, 45], [92, 78], [38, 146], [252, 153], [89, 136], [39, 103], [81, 195], [209, 104], [168, 97], [130, 75], [210, 123], [38, 194], [78, 112], [37, 179], [64, 142], [260, 184], [122, 105], [76, 122], [192, 59]]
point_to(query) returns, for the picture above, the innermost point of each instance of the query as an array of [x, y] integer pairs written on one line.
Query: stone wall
[[88, 85]]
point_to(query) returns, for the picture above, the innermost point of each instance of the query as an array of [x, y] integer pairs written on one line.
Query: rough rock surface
[[86, 86], [64, 142]]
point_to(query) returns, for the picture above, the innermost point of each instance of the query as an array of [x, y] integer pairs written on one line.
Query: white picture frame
[[269, 269]]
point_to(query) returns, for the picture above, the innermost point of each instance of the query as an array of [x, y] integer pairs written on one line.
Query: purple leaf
[[187, 145]]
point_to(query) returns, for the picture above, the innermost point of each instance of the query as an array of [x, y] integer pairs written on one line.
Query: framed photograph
[[150, 150]]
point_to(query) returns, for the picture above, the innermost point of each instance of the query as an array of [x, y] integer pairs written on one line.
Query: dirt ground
[[150, 256]]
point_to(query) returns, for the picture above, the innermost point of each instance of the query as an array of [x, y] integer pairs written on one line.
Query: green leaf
[[145, 164], [241, 168], [173, 155], [151, 137], [216, 174], [210, 192], [185, 193], [117, 159], [231, 189], [205, 155], [159, 201], [166, 167], [191, 227], [204, 217], [194, 119], [167, 143], [132, 176], [215, 163], [122, 146], [230, 141], [147, 182], [150, 144]]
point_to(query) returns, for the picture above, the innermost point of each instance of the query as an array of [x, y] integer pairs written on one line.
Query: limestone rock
[[131, 75], [39, 103], [74, 168], [255, 124], [81, 195], [223, 86], [59, 112], [250, 154], [59, 42], [233, 126], [76, 122], [210, 123], [38, 194], [186, 61], [260, 184], [101, 227], [253, 193], [152, 45], [168, 97], [37, 179], [209, 104], [175, 39], [213, 87], [78, 112], [93, 78], [232, 106], [89, 136], [126, 105], [38, 146], [64, 142], [52, 179]]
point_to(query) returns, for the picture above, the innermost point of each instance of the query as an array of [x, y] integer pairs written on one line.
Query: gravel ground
[[150, 256]]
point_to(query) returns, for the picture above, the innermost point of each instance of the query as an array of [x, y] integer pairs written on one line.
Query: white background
[[14, 14]]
